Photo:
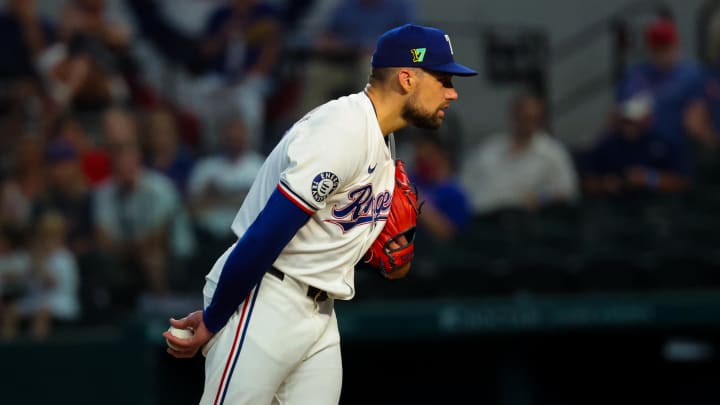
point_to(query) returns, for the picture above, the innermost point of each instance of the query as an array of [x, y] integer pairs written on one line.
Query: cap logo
[[447, 38], [418, 54]]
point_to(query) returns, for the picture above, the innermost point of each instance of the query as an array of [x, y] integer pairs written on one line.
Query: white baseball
[[181, 333]]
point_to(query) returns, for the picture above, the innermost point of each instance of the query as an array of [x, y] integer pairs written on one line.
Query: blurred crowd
[[111, 190]]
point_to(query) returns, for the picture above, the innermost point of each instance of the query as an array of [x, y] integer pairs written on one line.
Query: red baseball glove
[[394, 249]]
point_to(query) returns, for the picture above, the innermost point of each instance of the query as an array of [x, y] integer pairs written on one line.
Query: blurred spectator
[[25, 185], [15, 209], [164, 150], [138, 215], [219, 183], [23, 36], [28, 155], [14, 278], [119, 128], [673, 84], [68, 194], [85, 69], [240, 47], [356, 24], [178, 44], [445, 204], [706, 121], [346, 44], [94, 161], [631, 159], [525, 168], [173, 43], [295, 11], [708, 24], [53, 295]]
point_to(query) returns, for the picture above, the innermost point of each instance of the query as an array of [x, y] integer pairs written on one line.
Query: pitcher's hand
[[187, 348]]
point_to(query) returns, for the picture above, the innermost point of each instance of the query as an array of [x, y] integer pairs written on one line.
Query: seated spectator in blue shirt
[[241, 38], [345, 45], [673, 84], [242, 43], [356, 24], [446, 208], [632, 159], [165, 151]]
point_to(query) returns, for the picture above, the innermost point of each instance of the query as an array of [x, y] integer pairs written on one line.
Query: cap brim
[[453, 68]]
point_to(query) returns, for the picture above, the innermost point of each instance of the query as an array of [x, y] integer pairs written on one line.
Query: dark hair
[[382, 74]]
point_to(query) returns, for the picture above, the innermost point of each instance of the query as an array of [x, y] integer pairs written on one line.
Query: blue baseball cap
[[413, 45]]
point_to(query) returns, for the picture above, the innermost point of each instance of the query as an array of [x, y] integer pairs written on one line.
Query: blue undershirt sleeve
[[252, 256]]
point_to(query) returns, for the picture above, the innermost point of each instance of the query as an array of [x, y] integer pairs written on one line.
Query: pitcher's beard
[[419, 117]]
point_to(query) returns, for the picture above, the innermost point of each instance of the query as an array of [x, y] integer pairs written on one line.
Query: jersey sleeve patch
[[296, 199], [323, 185]]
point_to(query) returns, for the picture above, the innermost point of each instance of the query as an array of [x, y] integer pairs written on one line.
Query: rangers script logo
[[363, 208]]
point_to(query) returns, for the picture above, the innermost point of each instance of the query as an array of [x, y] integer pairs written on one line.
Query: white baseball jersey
[[334, 163]]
